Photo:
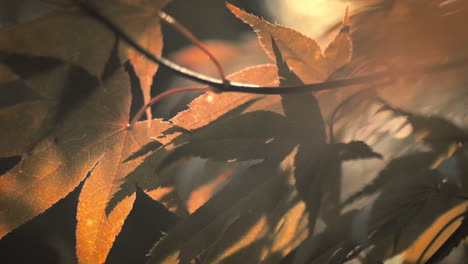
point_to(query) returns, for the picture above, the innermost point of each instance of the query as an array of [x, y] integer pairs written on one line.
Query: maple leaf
[[235, 223], [442, 136], [65, 34], [224, 207], [24, 127], [401, 213], [236, 138], [401, 200], [453, 241], [254, 135], [196, 128], [411, 162], [94, 135], [437, 132], [61, 34], [227, 214], [305, 58], [202, 111], [445, 157], [271, 147], [417, 180], [133, 242], [309, 131], [318, 176], [78, 121], [301, 53], [74, 127], [439, 239]]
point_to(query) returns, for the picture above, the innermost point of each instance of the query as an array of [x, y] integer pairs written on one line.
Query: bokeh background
[[50, 237]]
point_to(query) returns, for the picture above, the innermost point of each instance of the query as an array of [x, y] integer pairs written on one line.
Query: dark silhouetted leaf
[[8, 163], [147, 222], [149, 147], [233, 222], [15, 92], [458, 236], [439, 133], [438, 239], [203, 110], [392, 173], [318, 164], [235, 139], [404, 209], [301, 53]]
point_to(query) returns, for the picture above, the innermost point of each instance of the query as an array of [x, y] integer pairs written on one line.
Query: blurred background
[[50, 238]]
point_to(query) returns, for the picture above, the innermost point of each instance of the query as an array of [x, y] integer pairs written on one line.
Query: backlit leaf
[[203, 110], [302, 53], [96, 134], [78, 122]]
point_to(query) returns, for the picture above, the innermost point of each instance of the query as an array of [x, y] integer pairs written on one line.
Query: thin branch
[[251, 88], [164, 95], [177, 69], [184, 31]]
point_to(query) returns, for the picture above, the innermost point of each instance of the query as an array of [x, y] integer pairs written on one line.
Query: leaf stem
[[164, 95], [184, 31], [251, 88]]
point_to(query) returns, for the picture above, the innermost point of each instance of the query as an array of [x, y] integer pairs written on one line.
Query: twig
[[164, 95], [184, 31], [255, 89]]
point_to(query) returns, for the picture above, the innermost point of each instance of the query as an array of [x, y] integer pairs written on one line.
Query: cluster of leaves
[[273, 174]]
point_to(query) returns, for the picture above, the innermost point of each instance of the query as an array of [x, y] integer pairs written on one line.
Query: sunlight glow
[[310, 17], [412, 254], [254, 233], [209, 98]]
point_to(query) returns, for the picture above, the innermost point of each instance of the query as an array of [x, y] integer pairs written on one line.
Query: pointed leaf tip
[[346, 18], [287, 76], [230, 6]]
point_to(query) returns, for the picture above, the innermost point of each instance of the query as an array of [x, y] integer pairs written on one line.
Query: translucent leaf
[[78, 121], [302, 53]]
